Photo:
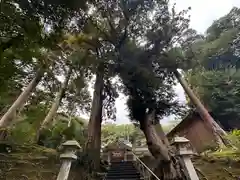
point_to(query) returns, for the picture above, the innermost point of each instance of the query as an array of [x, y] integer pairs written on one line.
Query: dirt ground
[[217, 168], [33, 163], [37, 163]]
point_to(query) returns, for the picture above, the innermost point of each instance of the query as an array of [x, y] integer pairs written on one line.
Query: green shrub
[[21, 133], [60, 132], [24, 132], [234, 137], [236, 132]]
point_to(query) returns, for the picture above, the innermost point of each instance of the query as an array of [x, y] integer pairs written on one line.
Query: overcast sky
[[203, 13]]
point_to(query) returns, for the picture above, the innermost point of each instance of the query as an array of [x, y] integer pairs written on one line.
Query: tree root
[[170, 170], [167, 170]]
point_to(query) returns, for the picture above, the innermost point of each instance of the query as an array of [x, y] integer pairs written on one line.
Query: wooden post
[[185, 153], [68, 157]]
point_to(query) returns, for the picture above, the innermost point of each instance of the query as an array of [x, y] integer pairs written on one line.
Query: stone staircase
[[123, 171]]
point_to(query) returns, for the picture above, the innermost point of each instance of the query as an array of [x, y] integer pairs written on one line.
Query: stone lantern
[[69, 155], [182, 145]]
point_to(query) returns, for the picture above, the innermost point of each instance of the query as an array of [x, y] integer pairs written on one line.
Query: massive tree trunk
[[161, 134], [8, 117], [164, 169], [55, 105], [218, 132], [93, 144]]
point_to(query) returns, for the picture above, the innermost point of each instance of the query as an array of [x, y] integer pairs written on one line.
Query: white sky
[[203, 13]]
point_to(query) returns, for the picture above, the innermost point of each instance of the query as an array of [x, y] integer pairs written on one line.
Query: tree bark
[[52, 112], [165, 169], [218, 132], [8, 117], [155, 144], [161, 134], [93, 144]]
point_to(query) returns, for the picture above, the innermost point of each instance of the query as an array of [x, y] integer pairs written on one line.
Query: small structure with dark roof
[[194, 129], [117, 151], [200, 135], [122, 150]]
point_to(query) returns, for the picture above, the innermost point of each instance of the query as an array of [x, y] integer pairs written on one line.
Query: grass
[[219, 165], [32, 162], [228, 153]]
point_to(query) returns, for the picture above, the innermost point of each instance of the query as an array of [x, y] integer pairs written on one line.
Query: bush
[[236, 132], [56, 134], [22, 133], [234, 137]]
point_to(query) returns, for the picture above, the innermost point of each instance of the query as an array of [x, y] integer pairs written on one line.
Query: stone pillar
[[67, 158], [185, 153], [134, 151], [126, 155], [109, 157]]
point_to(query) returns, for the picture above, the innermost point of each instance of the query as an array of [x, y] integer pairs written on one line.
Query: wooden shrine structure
[[117, 151], [121, 151]]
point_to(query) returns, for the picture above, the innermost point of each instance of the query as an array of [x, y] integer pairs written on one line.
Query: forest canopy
[[50, 51]]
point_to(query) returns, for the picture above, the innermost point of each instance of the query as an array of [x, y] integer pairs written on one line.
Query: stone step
[[122, 168], [125, 179], [123, 171], [123, 176], [123, 165], [123, 162]]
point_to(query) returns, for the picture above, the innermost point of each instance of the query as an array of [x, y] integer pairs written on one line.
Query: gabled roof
[[186, 121], [190, 118]]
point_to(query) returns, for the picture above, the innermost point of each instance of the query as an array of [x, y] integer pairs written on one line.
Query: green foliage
[[224, 23], [216, 79], [22, 133], [219, 91], [112, 132], [61, 131], [221, 39], [234, 136], [229, 153], [129, 39], [147, 83], [27, 122], [31, 34], [236, 133]]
